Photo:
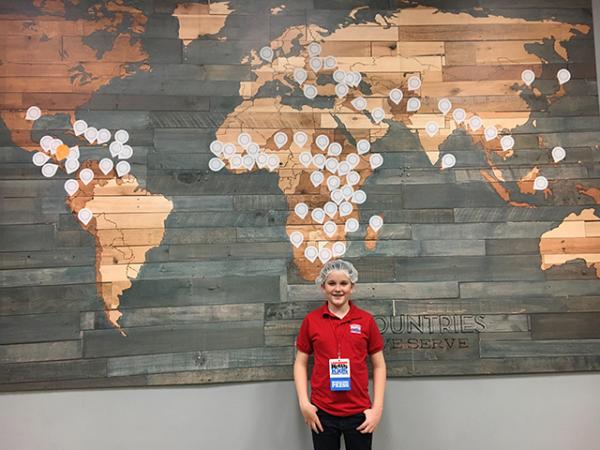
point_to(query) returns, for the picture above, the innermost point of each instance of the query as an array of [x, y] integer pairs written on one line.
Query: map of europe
[[324, 101]]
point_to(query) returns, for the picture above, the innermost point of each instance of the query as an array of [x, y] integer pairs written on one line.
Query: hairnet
[[334, 265]]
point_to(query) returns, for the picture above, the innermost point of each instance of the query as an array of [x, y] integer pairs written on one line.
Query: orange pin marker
[[62, 151]]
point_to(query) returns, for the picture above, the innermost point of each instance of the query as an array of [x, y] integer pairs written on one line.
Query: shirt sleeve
[[303, 341], [376, 343]]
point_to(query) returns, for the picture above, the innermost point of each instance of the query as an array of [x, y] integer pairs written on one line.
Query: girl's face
[[337, 288]]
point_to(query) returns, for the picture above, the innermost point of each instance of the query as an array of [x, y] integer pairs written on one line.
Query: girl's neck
[[339, 312]]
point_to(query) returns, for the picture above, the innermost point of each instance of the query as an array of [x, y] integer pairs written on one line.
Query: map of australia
[[321, 99]]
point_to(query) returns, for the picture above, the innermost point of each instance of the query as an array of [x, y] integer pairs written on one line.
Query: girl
[[340, 335]]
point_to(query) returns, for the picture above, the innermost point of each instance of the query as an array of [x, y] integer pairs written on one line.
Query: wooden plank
[[520, 289], [26, 237], [485, 32], [39, 327], [162, 339], [539, 348], [436, 347], [222, 376], [490, 230], [566, 326], [365, 291], [503, 71], [52, 371], [41, 351], [53, 276], [54, 258]]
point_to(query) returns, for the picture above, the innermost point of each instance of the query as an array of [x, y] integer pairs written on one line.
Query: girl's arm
[[373, 414], [309, 411]]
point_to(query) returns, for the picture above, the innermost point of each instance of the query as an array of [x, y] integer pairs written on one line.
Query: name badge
[[339, 374]]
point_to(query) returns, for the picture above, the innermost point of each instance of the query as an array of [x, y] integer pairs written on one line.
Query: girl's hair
[[337, 264]]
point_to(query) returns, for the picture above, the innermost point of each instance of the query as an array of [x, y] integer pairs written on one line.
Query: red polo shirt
[[356, 336]]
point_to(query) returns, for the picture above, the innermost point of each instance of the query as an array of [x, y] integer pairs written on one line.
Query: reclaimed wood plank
[[365, 291], [565, 326], [540, 348], [39, 327], [40, 351], [52, 371]]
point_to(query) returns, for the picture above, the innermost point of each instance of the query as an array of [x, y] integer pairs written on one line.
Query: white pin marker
[[337, 196], [280, 139], [431, 128], [353, 178], [300, 138], [339, 76], [73, 152], [215, 164], [558, 154], [248, 162], [347, 191], [490, 133], [244, 140], [316, 178], [414, 83], [86, 176], [46, 142], [126, 152], [122, 136], [33, 113], [261, 160], [325, 255], [311, 253], [91, 134], [266, 53], [507, 142], [413, 104], [40, 158], [103, 136], [346, 209], [235, 162], [333, 182], [123, 168], [319, 160], [334, 149], [396, 96], [79, 127], [444, 105], [54, 145], [330, 209], [71, 187], [329, 62], [296, 238], [300, 76], [376, 222], [322, 141], [49, 170], [253, 149], [314, 49], [273, 162], [376, 160], [310, 91], [216, 148], [353, 159], [305, 159], [540, 183], [563, 76], [359, 103], [71, 165], [448, 161], [344, 168], [85, 215], [352, 225], [318, 215], [378, 114], [315, 64], [329, 228], [229, 150], [341, 90], [332, 164], [363, 146], [338, 249], [475, 123], [115, 148], [106, 165], [459, 115], [357, 78], [359, 197], [528, 77], [301, 210], [349, 78]]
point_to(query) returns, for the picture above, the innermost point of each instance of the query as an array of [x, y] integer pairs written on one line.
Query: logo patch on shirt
[[355, 328]]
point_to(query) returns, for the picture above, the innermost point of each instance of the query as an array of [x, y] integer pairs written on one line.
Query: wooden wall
[[458, 279]]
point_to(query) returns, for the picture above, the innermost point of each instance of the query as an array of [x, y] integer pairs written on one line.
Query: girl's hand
[[372, 418], [309, 411]]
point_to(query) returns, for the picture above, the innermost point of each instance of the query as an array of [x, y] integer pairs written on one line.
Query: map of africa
[[332, 106]]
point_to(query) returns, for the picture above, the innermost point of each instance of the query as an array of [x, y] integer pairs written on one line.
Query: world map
[[341, 90]]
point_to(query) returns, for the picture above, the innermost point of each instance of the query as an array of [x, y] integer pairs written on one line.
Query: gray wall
[[555, 412]]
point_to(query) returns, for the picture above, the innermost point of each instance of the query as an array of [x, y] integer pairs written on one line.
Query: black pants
[[334, 427]]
